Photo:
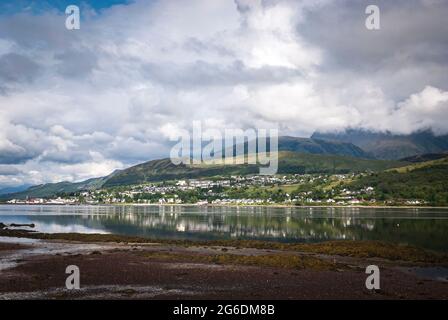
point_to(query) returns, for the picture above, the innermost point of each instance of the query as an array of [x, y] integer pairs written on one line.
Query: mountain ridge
[[164, 169], [389, 146], [296, 155]]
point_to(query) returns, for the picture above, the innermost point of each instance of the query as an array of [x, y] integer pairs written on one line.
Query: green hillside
[[289, 162], [319, 146], [425, 157], [426, 181], [312, 146]]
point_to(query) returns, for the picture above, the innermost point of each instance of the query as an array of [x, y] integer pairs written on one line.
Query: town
[[293, 189]]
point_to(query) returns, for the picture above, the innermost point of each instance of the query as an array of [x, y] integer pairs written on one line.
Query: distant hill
[[51, 189], [385, 145], [164, 169], [14, 189]]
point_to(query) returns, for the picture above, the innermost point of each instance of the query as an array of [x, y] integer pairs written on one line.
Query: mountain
[[296, 155], [289, 162], [312, 146], [385, 145], [321, 146], [164, 169]]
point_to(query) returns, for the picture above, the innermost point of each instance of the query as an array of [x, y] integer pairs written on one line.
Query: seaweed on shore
[[287, 261], [350, 248]]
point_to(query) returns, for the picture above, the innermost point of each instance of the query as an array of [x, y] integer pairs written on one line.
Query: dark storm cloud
[[202, 73], [38, 32], [66, 157], [6, 170], [407, 27], [412, 39], [201, 47], [14, 154], [17, 68], [76, 64]]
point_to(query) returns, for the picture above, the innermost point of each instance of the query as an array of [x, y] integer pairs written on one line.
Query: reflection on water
[[421, 227]]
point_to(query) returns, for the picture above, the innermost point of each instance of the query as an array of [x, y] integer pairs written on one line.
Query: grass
[[335, 183], [415, 166], [288, 188]]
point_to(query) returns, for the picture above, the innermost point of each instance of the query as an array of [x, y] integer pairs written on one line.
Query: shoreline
[[120, 267], [225, 205], [361, 248]]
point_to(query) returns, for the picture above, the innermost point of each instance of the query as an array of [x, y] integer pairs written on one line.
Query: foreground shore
[[118, 267]]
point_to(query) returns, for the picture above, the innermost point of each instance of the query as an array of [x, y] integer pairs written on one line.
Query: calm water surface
[[426, 228]]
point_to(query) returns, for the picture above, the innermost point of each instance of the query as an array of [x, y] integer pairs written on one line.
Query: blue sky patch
[[39, 6]]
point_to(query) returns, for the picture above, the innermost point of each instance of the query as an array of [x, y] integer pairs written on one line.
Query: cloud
[[425, 109], [79, 104], [409, 52], [16, 69], [76, 64], [9, 171]]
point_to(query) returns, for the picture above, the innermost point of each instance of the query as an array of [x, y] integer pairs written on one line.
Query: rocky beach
[[33, 264]]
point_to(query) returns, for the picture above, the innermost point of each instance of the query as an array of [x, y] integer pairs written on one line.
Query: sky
[[76, 104]]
